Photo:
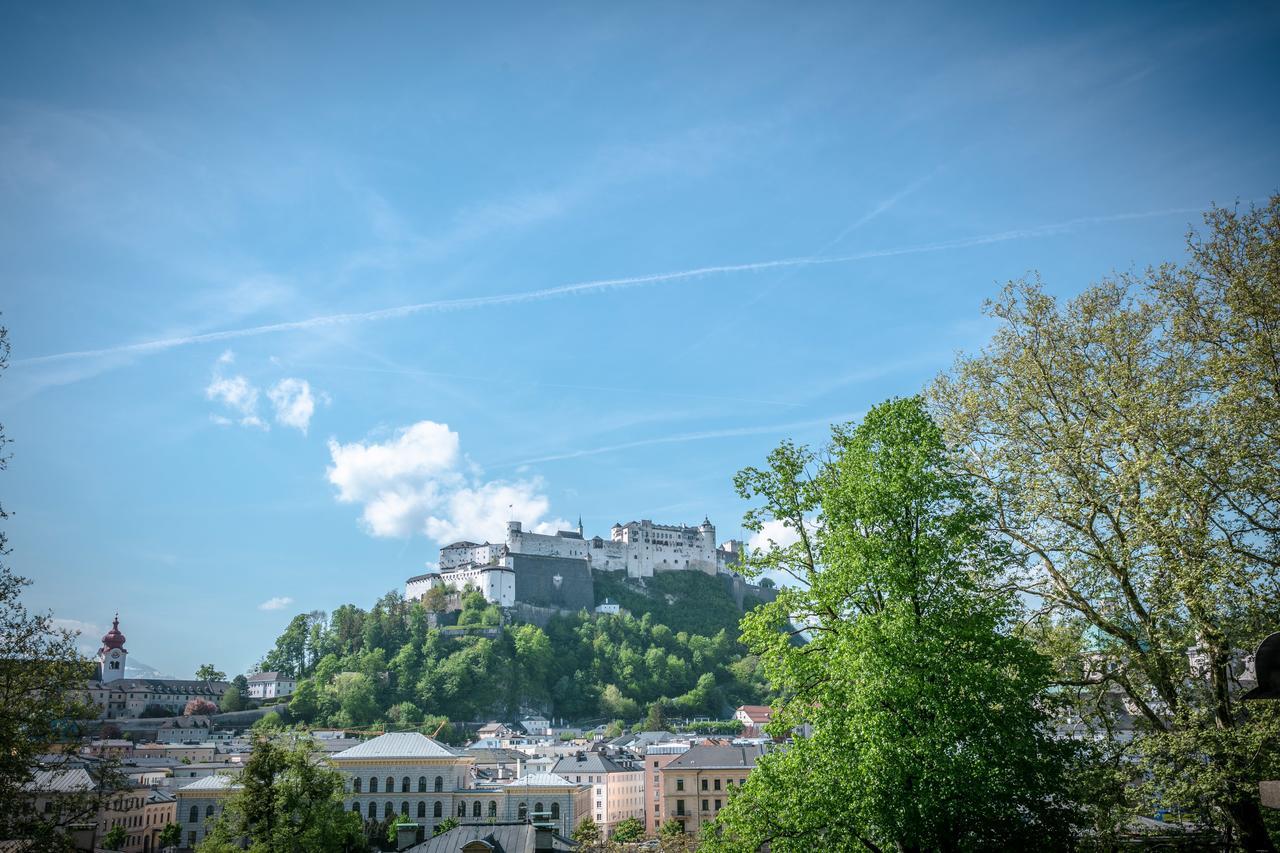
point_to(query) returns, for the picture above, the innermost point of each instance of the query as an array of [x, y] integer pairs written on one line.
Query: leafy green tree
[[242, 684], [267, 723], [928, 712], [356, 696], [207, 672], [170, 836], [631, 829], [290, 803], [115, 838], [445, 825], [586, 832], [656, 721], [1128, 441], [232, 700], [671, 828]]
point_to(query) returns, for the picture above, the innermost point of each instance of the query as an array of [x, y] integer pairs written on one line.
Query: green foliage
[[689, 602], [289, 804], [268, 723], [207, 672], [115, 838], [586, 832], [631, 829], [445, 825], [232, 700], [671, 828], [929, 728], [170, 836], [714, 727], [1128, 440], [387, 666]]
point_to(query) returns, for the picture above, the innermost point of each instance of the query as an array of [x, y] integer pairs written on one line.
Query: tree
[[170, 836], [115, 838], [232, 700], [927, 711], [631, 829], [242, 684], [1128, 441], [207, 672], [289, 803], [42, 675], [199, 707], [445, 825], [656, 721], [267, 723], [586, 832]]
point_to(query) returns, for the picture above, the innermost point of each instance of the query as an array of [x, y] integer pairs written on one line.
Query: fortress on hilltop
[[554, 570]]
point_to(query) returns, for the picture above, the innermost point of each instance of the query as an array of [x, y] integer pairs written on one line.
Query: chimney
[[406, 835], [544, 838]]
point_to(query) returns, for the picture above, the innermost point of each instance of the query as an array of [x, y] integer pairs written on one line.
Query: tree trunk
[[1246, 815]]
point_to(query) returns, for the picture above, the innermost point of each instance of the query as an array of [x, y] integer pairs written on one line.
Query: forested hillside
[[388, 665]]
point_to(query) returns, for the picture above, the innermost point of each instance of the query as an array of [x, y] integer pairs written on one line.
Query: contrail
[[587, 287]]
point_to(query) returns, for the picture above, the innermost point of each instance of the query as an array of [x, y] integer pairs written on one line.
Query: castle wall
[[536, 584]]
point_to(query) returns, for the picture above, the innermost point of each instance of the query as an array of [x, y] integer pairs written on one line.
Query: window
[[462, 809], [422, 808], [704, 806], [717, 805], [355, 807], [208, 811], [386, 810], [391, 785], [355, 785], [404, 785], [439, 783], [373, 811], [373, 784], [679, 784], [194, 817], [422, 784], [717, 784], [537, 808], [679, 807], [493, 808], [704, 784], [555, 811]]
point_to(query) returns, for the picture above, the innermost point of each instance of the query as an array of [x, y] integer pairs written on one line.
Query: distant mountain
[[139, 669]]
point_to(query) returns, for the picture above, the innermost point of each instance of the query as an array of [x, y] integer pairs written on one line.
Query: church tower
[[111, 656]]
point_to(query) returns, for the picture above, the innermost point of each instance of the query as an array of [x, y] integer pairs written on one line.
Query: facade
[[696, 785], [270, 685], [617, 787], [656, 757], [495, 580], [199, 804], [126, 808], [160, 810], [117, 697], [496, 838], [410, 774], [753, 718]]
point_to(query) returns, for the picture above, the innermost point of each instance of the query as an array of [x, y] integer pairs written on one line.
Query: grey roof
[[216, 782], [485, 755], [591, 762], [727, 757], [162, 685], [158, 796], [398, 745], [270, 676], [60, 781], [541, 780], [502, 838]]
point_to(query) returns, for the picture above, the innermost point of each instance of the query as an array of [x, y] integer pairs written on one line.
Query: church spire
[[580, 533]]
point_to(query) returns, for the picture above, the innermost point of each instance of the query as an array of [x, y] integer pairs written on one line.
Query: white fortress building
[[639, 548]]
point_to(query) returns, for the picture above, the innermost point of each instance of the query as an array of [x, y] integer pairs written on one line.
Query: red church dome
[[113, 639]]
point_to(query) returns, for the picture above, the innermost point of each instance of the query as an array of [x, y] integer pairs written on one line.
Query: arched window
[[439, 783], [462, 809], [475, 809], [404, 785], [391, 784], [537, 808], [208, 811], [355, 785], [386, 810], [404, 809], [555, 811], [355, 807], [522, 813], [493, 808], [422, 808], [373, 811], [194, 817], [422, 784], [373, 784], [438, 810]]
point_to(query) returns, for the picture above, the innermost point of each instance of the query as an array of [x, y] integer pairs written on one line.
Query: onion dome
[[113, 639]]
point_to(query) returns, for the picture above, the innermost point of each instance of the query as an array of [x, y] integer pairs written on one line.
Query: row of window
[[680, 784], [438, 810], [356, 785]]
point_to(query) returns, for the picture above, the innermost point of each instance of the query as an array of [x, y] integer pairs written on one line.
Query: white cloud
[[774, 534], [418, 482], [293, 403], [235, 393], [280, 602], [88, 630]]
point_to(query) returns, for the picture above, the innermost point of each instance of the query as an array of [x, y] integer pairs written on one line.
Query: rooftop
[[701, 756], [541, 780], [216, 782], [497, 837], [398, 745], [60, 781]]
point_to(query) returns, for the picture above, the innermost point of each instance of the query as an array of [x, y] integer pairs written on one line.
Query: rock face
[[561, 582]]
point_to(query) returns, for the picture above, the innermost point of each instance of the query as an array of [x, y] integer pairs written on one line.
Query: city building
[[118, 697], [496, 838], [412, 775], [753, 718], [125, 808], [200, 803], [696, 784], [656, 757], [617, 787], [270, 685], [160, 810]]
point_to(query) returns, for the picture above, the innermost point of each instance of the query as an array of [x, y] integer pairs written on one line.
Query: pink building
[[617, 787]]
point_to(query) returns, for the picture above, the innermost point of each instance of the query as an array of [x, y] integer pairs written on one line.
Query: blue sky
[[293, 293]]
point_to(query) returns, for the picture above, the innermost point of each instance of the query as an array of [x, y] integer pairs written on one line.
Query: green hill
[[683, 601]]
